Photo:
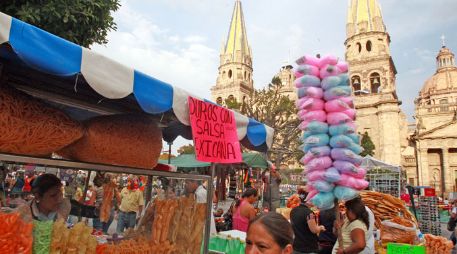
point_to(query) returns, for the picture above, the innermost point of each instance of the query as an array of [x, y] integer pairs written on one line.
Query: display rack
[[383, 177], [429, 216]]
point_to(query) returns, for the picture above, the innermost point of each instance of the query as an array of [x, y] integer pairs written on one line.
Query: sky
[[178, 41]]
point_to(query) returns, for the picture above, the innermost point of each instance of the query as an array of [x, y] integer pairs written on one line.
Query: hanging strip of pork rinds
[[171, 206]]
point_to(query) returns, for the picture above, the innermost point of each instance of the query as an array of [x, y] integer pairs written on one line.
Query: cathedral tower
[[372, 75], [234, 80]]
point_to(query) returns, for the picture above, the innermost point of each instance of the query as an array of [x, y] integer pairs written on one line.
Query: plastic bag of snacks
[[398, 230]]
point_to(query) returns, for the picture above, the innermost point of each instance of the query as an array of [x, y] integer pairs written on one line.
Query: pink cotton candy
[[316, 115], [336, 105], [335, 118], [327, 60], [306, 69], [343, 66], [329, 70], [315, 152], [315, 175], [311, 104], [311, 194], [349, 181], [308, 59], [310, 92], [350, 113], [321, 163]]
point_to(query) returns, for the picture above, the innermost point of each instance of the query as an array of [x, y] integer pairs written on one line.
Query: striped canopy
[[53, 55]]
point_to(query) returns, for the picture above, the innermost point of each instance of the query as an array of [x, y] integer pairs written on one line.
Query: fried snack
[[15, 234], [437, 244], [107, 204], [392, 232], [76, 240], [386, 207], [31, 127], [126, 140]]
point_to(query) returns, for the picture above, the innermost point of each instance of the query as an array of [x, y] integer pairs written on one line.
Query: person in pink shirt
[[244, 211]]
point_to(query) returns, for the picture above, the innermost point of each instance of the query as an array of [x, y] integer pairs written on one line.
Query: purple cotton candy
[[349, 169], [315, 115], [349, 181], [346, 155], [321, 163], [315, 175]]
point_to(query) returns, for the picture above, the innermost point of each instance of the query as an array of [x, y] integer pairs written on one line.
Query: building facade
[[435, 137], [234, 80], [372, 76]]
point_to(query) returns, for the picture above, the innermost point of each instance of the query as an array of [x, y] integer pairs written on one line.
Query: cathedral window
[[359, 47], [356, 86], [375, 83], [223, 74], [444, 105], [368, 46], [230, 74], [245, 76]]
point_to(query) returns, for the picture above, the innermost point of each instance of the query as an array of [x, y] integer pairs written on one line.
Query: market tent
[[45, 66], [254, 160], [370, 163]]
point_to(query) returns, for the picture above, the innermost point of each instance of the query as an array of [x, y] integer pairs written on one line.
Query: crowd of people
[[341, 230]]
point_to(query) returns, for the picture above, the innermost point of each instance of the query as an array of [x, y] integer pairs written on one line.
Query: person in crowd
[[305, 226], [29, 178], [48, 203], [369, 248], [244, 211], [18, 184], [451, 225], [3, 185], [326, 238], [272, 180], [354, 229], [269, 233], [132, 203], [98, 198]]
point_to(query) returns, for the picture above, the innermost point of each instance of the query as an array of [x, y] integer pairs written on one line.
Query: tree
[[83, 22], [232, 103], [187, 149], [367, 145], [271, 107]]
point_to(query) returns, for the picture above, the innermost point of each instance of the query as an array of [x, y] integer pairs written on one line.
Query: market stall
[[58, 98], [382, 177]]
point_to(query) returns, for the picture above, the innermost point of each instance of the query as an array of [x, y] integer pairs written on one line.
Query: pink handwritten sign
[[214, 132]]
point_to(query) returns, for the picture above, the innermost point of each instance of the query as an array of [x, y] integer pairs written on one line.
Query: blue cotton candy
[[324, 200], [332, 175], [315, 141], [307, 81], [336, 92], [341, 141], [354, 137], [316, 127], [345, 193], [323, 186], [345, 128], [330, 82]]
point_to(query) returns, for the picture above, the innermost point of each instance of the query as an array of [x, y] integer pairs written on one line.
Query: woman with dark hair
[[243, 211], [354, 229], [269, 233], [48, 202], [305, 226]]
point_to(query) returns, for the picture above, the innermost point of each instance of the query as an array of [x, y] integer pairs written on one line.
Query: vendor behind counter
[[48, 202]]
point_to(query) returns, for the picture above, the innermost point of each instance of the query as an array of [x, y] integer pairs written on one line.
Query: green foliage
[[271, 107], [232, 103], [187, 149], [83, 22], [367, 145]]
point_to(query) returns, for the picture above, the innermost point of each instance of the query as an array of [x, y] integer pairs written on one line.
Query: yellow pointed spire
[[365, 16], [237, 38]]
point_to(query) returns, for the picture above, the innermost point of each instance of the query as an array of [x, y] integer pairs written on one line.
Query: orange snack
[[15, 234]]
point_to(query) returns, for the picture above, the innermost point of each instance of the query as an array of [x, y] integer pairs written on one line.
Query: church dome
[[445, 78]]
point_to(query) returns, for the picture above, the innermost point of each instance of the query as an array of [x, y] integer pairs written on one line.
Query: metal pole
[[209, 203], [86, 187], [169, 152]]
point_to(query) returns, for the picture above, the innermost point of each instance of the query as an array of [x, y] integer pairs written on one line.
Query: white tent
[[382, 176]]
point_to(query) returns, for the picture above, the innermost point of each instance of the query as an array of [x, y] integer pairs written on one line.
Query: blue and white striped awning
[[53, 55]]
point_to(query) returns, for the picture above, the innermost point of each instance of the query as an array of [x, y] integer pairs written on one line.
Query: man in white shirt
[[198, 188]]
